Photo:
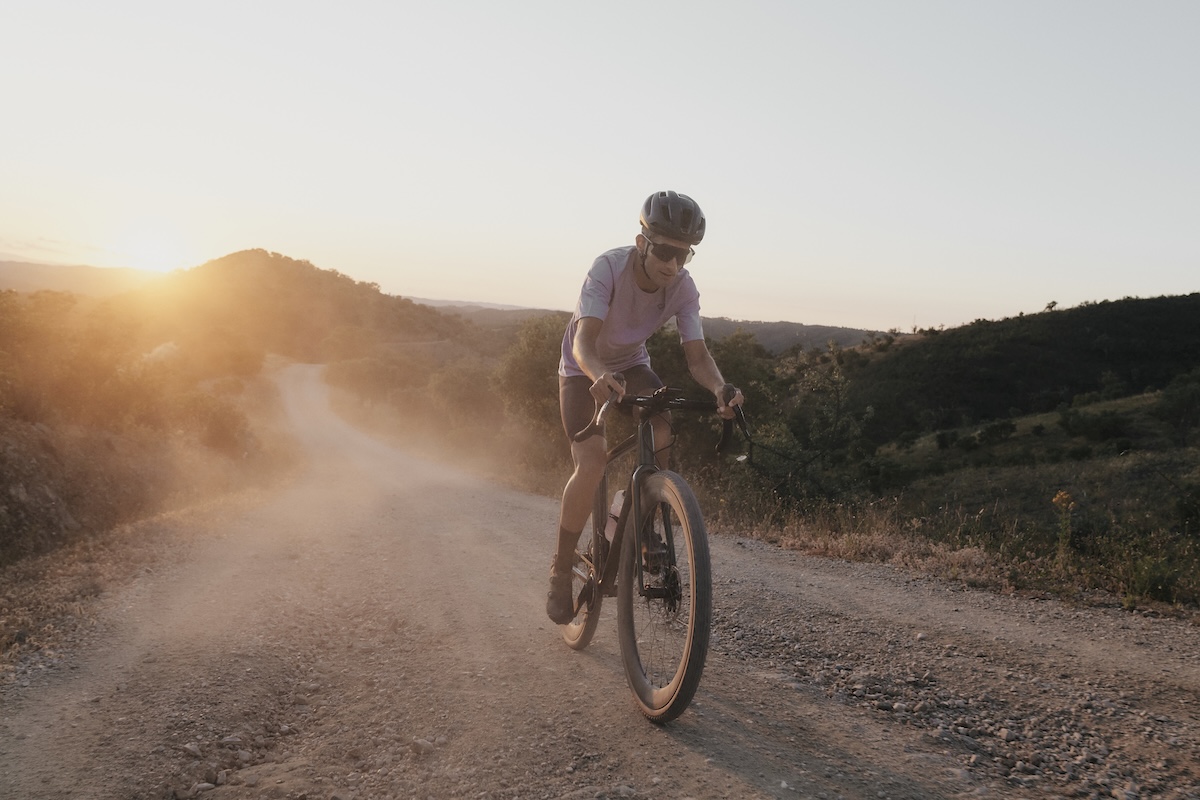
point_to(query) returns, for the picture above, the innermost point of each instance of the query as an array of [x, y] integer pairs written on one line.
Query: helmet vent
[[673, 215]]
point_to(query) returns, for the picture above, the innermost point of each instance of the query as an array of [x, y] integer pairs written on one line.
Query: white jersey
[[630, 314]]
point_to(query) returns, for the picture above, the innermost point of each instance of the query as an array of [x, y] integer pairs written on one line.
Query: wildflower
[[1064, 501]]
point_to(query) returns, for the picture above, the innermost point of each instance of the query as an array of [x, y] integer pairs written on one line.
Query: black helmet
[[673, 215]]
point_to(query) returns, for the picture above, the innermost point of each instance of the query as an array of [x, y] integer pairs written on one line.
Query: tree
[[1179, 405], [527, 378]]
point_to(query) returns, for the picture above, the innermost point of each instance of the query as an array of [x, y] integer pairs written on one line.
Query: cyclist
[[629, 293]]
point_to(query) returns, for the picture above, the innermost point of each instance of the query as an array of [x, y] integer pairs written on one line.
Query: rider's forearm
[[706, 373], [589, 361], [584, 348]]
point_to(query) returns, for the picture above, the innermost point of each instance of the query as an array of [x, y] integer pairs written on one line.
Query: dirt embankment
[[375, 629], [58, 485]]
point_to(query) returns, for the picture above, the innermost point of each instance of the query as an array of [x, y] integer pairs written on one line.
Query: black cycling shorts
[[577, 405]]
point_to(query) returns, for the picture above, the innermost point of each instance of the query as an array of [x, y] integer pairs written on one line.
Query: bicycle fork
[[653, 556]]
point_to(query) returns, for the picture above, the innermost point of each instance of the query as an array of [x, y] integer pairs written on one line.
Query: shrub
[[946, 438]]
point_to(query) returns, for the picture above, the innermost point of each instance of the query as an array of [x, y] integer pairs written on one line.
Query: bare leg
[[589, 457], [661, 425]]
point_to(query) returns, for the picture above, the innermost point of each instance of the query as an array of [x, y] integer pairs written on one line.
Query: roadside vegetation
[[116, 408], [1052, 452]]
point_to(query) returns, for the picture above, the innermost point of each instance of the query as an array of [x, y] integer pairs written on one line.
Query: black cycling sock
[[566, 550]]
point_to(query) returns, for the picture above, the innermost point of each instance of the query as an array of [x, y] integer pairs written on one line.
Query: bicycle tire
[[585, 587], [664, 638]]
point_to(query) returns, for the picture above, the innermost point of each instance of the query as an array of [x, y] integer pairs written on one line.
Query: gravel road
[[375, 629]]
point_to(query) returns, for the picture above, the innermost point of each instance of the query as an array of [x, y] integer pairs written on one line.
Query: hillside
[[289, 307], [22, 276], [1026, 364]]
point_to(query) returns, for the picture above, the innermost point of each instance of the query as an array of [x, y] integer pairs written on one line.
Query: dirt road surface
[[375, 629]]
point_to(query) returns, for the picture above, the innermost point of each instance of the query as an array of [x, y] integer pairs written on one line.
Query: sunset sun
[[153, 251]]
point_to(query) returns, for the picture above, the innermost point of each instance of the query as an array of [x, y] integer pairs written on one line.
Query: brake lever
[[596, 426], [726, 435], [739, 418]]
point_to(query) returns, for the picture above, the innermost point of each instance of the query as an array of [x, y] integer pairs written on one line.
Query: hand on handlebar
[[608, 387], [607, 384], [728, 398]]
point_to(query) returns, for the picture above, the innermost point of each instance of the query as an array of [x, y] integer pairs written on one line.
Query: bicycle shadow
[[793, 741]]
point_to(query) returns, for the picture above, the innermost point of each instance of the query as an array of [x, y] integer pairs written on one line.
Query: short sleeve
[[597, 292], [687, 318]]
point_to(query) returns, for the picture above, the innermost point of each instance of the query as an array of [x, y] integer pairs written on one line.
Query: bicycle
[[662, 577]]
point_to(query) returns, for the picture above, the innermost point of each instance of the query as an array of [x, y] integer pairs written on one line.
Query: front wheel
[[664, 599]]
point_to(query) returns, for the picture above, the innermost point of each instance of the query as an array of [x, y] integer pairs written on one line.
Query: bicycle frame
[[664, 601], [662, 400], [631, 507]]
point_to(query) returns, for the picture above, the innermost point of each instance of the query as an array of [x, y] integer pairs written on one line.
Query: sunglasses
[[666, 252]]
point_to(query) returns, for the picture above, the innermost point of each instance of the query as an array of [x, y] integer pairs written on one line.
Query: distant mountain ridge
[[24, 276], [780, 336], [452, 305], [776, 337]]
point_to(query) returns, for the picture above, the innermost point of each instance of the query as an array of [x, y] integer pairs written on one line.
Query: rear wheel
[[664, 599]]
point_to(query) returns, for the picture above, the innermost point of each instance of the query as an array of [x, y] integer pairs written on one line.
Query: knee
[[590, 457], [662, 430]]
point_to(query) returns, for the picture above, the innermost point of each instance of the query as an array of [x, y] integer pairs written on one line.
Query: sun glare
[[154, 251]]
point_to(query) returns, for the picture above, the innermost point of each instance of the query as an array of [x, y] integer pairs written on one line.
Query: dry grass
[[1143, 573], [875, 535]]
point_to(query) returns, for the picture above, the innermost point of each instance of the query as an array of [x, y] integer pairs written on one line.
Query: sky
[[883, 165]]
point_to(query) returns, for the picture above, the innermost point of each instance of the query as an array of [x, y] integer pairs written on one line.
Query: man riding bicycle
[[629, 293]]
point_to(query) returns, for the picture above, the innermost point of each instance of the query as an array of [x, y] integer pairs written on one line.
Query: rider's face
[[663, 271]]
